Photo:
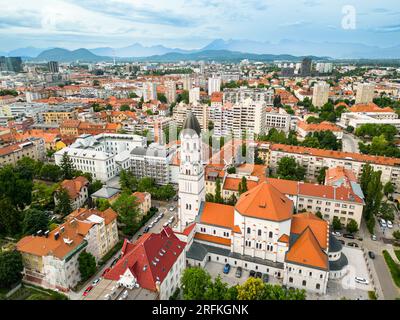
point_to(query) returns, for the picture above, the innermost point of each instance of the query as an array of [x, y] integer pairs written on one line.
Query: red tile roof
[[217, 214]]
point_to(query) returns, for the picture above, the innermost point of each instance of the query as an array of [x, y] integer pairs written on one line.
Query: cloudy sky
[[192, 24]]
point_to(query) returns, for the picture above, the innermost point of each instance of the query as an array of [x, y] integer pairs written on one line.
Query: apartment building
[[342, 202], [50, 258], [33, 148], [194, 95], [149, 91], [303, 128], [78, 191], [58, 114], [153, 161], [365, 93], [144, 201], [170, 91], [314, 160], [237, 95], [279, 121], [214, 85], [320, 94], [103, 155], [246, 117]]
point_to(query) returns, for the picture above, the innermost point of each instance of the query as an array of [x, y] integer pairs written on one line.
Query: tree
[[336, 224], [195, 282], [321, 175], [43, 196], [67, 167], [352, 226], [28, 168], [11, 268], [217, 290], [102, 204], [10, 218], [387, 211], [162, 98], [95, 186], [126, 207], [145, 184], [243, 186], [231, 170], [388, 188], [50, 172], [396, 234], [87, 265], [34, 220], [289, 169], [252, 289], [127, 180], [218, 194], [319, 214], [124, 107], [63, 202]]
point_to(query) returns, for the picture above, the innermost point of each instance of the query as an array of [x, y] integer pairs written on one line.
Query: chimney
[[46, 234], [56, 235]]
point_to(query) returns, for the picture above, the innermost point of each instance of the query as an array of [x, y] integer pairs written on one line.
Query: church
[[261, 232]]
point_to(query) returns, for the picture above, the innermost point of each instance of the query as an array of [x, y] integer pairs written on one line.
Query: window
[[259, 232], [248, 230], [291, 280], [318, 286], [270, 234], [304, 283]]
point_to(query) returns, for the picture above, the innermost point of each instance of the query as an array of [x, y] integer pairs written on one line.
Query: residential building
[[149, 91], [365, 93], [279, 121], [303, 129], [314, 160], [241, 94], [78, 191], [60, 114], [50, 258], [170, 91], [33, 148], [53, 66], [306, 67], [144, 201], [320, 94], [214, 85], [194, 95]]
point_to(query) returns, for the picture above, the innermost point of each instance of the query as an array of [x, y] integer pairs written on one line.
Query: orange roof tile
[[233, 184], [214, 239], [369, 107], [319, 227], [284, 238], [217, 214], [265, 202], [306, 251]]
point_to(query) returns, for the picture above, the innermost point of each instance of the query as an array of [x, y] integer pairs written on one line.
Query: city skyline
[[193, 24]]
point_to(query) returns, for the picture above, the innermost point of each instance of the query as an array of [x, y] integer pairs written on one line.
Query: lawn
[[393, 267], [35, 293]]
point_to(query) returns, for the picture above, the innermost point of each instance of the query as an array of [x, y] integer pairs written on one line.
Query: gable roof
[[306, 251], [265, 202], [319, 227], [216, 214], [74, 186], [149, 259]]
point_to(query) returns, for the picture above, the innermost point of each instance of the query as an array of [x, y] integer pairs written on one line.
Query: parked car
[[371, 254], [151, 225], [252, 273], [348, 236], [96, 281], [258, 274], [227, 268], [239, 272], [87, 291], [161, 215], [382, 222], [175, 198], [336, 233], [389, 224], [146, 229], [170, 220], [373, 237], [361, 280], [265, 278], [114, 262], [172, 208], [105, 271], [166, 224], [353, 244]]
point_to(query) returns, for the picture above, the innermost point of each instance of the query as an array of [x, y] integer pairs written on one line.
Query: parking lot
[[217, 269]]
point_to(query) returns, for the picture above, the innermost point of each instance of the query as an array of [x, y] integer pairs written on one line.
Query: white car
[[389, 224], [383, 224], [373, 237], [337, 233], [166, 224], [96, 281], [361, 280], [172, 209]]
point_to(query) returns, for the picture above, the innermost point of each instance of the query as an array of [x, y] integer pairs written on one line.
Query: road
[[162, 207], [350, 143]]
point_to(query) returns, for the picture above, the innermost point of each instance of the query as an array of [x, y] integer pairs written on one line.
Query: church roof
[[192, 123], [265, 202]]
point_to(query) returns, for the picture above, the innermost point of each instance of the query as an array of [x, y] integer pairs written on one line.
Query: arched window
[[304, 283], [248, 230], [291, 280], [318, 286]]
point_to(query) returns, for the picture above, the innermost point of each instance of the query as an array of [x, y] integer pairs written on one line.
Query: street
[[350, 143], [162, 207]]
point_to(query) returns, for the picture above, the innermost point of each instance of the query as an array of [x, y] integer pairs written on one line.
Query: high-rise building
[[12, 64], [214, 85], [149, 91], [170, 91], [320, 94], [365, 93], [324, 67], [187, 82], [194, 95], [306, 67], [53, 66]]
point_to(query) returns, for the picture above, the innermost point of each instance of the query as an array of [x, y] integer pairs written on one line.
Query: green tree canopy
[[34, 220], [126, 207], [289, 169], [67, 167], [195, 282], [63, 202], [11, 268], [87, 265], [352, 226]]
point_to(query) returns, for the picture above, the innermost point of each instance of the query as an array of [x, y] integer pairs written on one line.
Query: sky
[[192, 24]]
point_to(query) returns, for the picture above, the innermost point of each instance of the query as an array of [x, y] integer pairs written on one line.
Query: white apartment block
[[103, 155], [320, 94], [238, 95], [149, 91], [365, 93], [170, 91], [279, 121], [194, 95], [357, 119], [214, 85], [314, 160]]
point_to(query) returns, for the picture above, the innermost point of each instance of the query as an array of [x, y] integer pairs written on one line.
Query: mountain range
[[250, 48]]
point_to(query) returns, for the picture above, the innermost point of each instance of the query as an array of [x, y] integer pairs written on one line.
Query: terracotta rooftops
[[369, 107], [217, 214], [323, 126], [74, 186], [336, 154]]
